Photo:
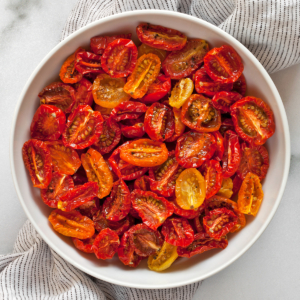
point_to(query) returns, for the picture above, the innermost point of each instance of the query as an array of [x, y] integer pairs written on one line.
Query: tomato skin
[[237, 182], [119, 58], [223, 64], [159, 122], [60, 185], [143, 183], [152, 209], [179, 127], [218, 155], [99, 43], [128, 110], [205, 85], [133, 129], [90, 208], [48, 123], [182, 63], [105, 111], [193, 148], [227, 124], [38, 162], [58, 94], [232, 154], [106, 244], [84, 245], [240, 86], [83, 93], [260, 113], [91, 132], [78, 226], [223, 100], [88, 62], [199, 114], [171, 39], [186, 213]]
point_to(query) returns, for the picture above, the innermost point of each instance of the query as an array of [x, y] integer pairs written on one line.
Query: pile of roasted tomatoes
[[151, 151]]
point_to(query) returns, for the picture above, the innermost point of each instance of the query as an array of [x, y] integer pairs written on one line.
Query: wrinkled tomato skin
[[116, 52], [92, 124], [187, 213], [193, 148], [106, 244], [179, 127], [60, 185], [218, 155], [171, 39], [199, 114], [263, 115], [88, 62], [48, 123], [232, 154], [84, 245], [83, 93], [153, 210], [237, 182], [90, 208], [227, 124], [240, 86], [133, 129], [223, 100], [128, 110], [58, 94], [143, 183], [159, 122], [37, 159]]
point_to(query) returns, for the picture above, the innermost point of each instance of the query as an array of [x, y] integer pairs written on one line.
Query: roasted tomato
[[98, 171], [123, 169], [164, 176], [133, 129], [117, 206], [163, 259], [178, 232], [38, 162], [223, 64], [179, 127], [240, 86], [84, 127], [227, 124], [193, 148], [72, 224], [119, 58], [90, 208], [161, 37], [142, 183], [110, 136], [157, 90], [65, 160], [182, 63], [212, 173], [182, 90], [219, 222], [105, 111], [145, 49], [199, 114], [153, 210], [221, 202], [232, 154], [159, 122], [48, 123], [255, 159], [106, 244], [83, 93], [187, 213], [253, 120], [99, 43], [202, 242], [108, 92], [59, 186], [144, 153], [84, 245], [58, 94], [68, 73], [144, 240], [144, 74], [226, 188], [88, 62], [237, 182], [77, 196], [205, 85], [223, 100], [250, 195], [218, 155], [126, 252], [128, 110]]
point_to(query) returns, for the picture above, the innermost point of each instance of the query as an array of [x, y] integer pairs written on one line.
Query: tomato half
[[218, 155], [145, 49], [38, 162], [58, 94], [223, 64], [83, 93], [133, 129], [108, 92], [144, 74], [190, 189], [223, 100], [142, 183], [253, 120], [182, 90], [182, 63], [84, 127], [187, 213], [153, 210], [240, 85], [128, 110], [88, 62], [199, 114], [193, 148], [179, 127], [119, 58], [90, 208], [237, 182], [84, 245]]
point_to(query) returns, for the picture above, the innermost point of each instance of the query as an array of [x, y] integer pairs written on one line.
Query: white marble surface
[[29, 29]]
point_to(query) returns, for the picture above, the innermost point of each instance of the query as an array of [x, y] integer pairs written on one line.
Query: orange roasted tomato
[[144, 74], [161, 37], [226, 188], [199, 114], [145, 49], [144, 153]]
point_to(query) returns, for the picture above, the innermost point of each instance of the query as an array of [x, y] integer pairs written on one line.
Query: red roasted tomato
[[128, 110], [220, 145], [142, 183], [83, 93], [85, 245], [179, 127], [133, 129], [223, 100], [88, 62]]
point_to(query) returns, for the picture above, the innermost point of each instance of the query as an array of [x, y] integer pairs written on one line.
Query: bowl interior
[[183, 271]]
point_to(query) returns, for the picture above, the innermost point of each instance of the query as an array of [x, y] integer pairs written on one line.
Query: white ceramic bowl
[[183, 271]]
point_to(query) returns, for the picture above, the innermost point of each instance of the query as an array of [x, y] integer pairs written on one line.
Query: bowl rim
[[236, 44]]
